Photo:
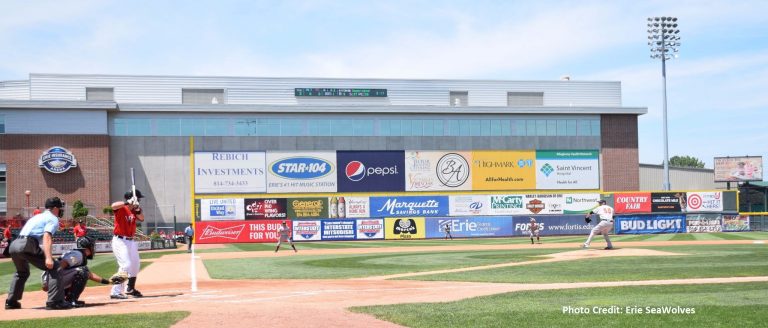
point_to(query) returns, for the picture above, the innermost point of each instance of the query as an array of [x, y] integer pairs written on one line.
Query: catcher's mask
[[87, 243]]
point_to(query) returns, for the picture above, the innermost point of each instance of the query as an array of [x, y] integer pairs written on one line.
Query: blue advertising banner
[[409, 206], [647, 224], [551, 225], [338, 229], [469, 227], [370, 171]]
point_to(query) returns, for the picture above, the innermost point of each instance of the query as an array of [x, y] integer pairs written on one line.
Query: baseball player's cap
[[602, 201], [53, 202], [532, 219], [129, 194], [283, 221]]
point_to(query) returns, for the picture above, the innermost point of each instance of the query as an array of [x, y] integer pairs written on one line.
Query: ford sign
[[301, 168]]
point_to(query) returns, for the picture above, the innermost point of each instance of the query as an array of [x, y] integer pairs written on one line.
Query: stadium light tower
[[664, 41]]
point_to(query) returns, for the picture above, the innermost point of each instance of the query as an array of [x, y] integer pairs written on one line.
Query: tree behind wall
[[686, 161], [79, 212]]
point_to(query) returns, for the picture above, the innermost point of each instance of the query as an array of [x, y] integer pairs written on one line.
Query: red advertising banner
[[225, 232], [266, 208], [635, 202]]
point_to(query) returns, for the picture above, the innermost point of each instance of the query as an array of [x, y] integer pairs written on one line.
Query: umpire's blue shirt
[[40, 224]]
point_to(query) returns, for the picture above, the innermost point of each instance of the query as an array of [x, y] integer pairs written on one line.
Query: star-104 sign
[[57, 160]]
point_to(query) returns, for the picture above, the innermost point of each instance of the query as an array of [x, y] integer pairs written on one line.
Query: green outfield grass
[[360, 265], [150, 319], [700, 261], [716, 305]]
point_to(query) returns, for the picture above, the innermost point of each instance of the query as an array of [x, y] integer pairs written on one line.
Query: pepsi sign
[[370, 171], [57, 160]]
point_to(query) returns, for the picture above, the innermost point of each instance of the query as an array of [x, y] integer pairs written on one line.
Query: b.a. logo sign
[[57, 160]]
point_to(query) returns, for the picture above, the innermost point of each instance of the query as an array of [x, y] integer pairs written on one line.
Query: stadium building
[[77, 136]]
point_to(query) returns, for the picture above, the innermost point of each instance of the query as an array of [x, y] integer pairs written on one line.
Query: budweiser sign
[[232, 233]]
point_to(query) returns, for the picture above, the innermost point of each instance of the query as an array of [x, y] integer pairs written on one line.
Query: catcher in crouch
[[74, 273]]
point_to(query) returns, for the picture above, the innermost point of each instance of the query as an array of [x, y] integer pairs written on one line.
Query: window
[[202, 96], [3, 191], [2, 123], [100, 94], [459, 98], [517, 99]]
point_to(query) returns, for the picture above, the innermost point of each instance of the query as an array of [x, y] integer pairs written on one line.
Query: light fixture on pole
[[664, 41]]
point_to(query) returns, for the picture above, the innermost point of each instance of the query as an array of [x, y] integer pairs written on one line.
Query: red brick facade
[[88, 182], [620, 158]]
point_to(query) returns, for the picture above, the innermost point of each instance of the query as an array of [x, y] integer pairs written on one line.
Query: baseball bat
[[133, 183]]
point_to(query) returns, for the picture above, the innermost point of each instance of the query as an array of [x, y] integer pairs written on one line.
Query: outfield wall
[[400, 217]]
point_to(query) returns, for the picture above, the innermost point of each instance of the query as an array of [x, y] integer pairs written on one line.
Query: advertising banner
[[544, 204], [301, 171], [338, 229], [667, 202], [370, 229], [306, 230], [370, 171], [553, 225], [567, 169], [704, 223], [635, 202], [735, 222], [409, 206], [435, 170], [647, 224], [404, 228], [704, 201], [265, 208], [739, 168], [308, 208], [357, 207], [580, 203], [468, 205], [506, 205], [227, 209], [230, 172], [503, 170], [222, 232], [469, 227]]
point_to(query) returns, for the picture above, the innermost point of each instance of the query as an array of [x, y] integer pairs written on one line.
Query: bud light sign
[[370, 171], [646, 224]]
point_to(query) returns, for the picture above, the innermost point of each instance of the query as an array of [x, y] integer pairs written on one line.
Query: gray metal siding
[[51, 121], [247, 90], [651, 178], [14, 90]]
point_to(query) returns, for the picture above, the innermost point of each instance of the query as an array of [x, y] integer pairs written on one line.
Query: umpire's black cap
[[129, 194], [601, 202], [53, 202]]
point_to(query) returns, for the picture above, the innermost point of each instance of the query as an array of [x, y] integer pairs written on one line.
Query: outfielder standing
[[285, 235], [123, 244], [605, 213], [447, 229], [533, 230]]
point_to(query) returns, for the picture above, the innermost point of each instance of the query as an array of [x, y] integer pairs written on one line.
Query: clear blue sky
[[718, 88]]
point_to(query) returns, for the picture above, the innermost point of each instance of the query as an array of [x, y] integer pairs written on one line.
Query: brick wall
[[88, 182], [620, 158]]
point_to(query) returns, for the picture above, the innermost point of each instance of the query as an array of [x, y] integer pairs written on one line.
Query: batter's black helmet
[[129, 194], [86, 242], [53, 202]]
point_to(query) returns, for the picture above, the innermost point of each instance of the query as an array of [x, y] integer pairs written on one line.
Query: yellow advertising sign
[[503, 170], [404, 228]]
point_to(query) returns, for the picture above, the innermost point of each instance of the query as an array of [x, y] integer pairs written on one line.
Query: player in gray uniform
[[74, 273], [605, 213], [533, 229], [285, 235], [447, 229]]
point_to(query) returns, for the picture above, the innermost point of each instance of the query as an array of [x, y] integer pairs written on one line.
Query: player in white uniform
[[285, 235], [605, 213], [533, 230]]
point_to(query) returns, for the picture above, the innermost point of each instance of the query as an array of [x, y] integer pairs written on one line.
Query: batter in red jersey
[[124, 246]]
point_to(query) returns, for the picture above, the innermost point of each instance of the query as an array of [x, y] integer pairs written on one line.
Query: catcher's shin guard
[[78, 284]]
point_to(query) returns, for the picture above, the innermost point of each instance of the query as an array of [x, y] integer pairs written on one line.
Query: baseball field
[[679, 280]]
